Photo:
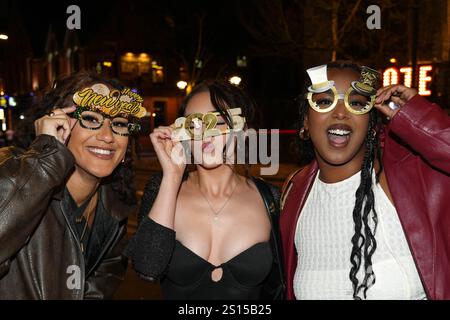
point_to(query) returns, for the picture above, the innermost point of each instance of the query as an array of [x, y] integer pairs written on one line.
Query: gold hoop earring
[[374, 132], [304, 134]]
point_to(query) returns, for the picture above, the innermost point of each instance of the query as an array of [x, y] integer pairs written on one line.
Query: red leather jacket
[[416, 161]]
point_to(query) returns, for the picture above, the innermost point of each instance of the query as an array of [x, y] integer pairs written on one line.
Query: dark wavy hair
[[225, 96], [363, 240], [59, 95]]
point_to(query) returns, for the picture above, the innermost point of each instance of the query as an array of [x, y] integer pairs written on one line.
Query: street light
[[236, 80], [3, 36], [12, 102], [182, 85]]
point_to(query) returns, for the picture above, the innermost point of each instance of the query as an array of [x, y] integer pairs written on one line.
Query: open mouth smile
[[339, 135]]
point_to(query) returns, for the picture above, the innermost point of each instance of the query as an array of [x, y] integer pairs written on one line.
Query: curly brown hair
[[59, 95]]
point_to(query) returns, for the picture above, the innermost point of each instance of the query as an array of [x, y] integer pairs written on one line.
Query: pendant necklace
[[216, 213]]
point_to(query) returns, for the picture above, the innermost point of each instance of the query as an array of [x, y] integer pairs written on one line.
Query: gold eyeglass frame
[[182, 130], [345, 97]]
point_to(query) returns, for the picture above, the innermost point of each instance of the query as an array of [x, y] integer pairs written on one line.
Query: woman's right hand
[[396, 93], [57, 124], [170, 152]]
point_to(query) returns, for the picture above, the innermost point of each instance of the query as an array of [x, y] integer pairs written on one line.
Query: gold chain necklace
[[216, 213]]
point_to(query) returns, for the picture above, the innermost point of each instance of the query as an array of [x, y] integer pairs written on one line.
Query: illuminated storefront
[[403, 75]]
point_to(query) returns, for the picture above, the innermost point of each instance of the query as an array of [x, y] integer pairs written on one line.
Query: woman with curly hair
[[362, 221], [65, 200]]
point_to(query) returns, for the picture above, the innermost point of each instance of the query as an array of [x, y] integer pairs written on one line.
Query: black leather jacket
[[40, 256]]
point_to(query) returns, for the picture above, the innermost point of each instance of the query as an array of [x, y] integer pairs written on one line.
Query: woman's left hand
[[399, 94]]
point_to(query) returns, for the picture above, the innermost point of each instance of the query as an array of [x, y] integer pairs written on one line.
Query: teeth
[[339, 132], [100, 151]]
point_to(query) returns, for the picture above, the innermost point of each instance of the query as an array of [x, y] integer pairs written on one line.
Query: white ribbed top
[[323, 243]]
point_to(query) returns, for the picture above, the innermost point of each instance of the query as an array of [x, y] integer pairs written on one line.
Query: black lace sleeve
[[148, 198], [150, 249]]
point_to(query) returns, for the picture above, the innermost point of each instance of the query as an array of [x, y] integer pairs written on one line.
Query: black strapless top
[[189, 275]]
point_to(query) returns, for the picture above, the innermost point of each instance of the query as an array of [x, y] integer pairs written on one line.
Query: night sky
[[222, 27], [37, 16]]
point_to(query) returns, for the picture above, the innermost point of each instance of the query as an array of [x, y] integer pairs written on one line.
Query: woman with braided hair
[[367, 216]]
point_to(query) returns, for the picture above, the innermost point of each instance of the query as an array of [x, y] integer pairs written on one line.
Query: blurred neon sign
[[393, 75]]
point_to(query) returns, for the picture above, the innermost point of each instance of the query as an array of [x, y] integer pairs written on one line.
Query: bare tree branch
[[344, 28]]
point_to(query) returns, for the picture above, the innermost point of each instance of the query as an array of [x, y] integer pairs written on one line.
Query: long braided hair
[[364, 215]]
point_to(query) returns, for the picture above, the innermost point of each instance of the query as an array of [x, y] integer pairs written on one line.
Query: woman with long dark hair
[[208, 232], [65, 200], [360, 221]]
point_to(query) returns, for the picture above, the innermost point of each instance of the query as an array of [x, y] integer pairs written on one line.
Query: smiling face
[[97, 152], [338, 135], [209, 151]]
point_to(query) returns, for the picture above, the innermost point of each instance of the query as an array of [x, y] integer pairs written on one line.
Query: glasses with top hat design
[[359, 98]]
